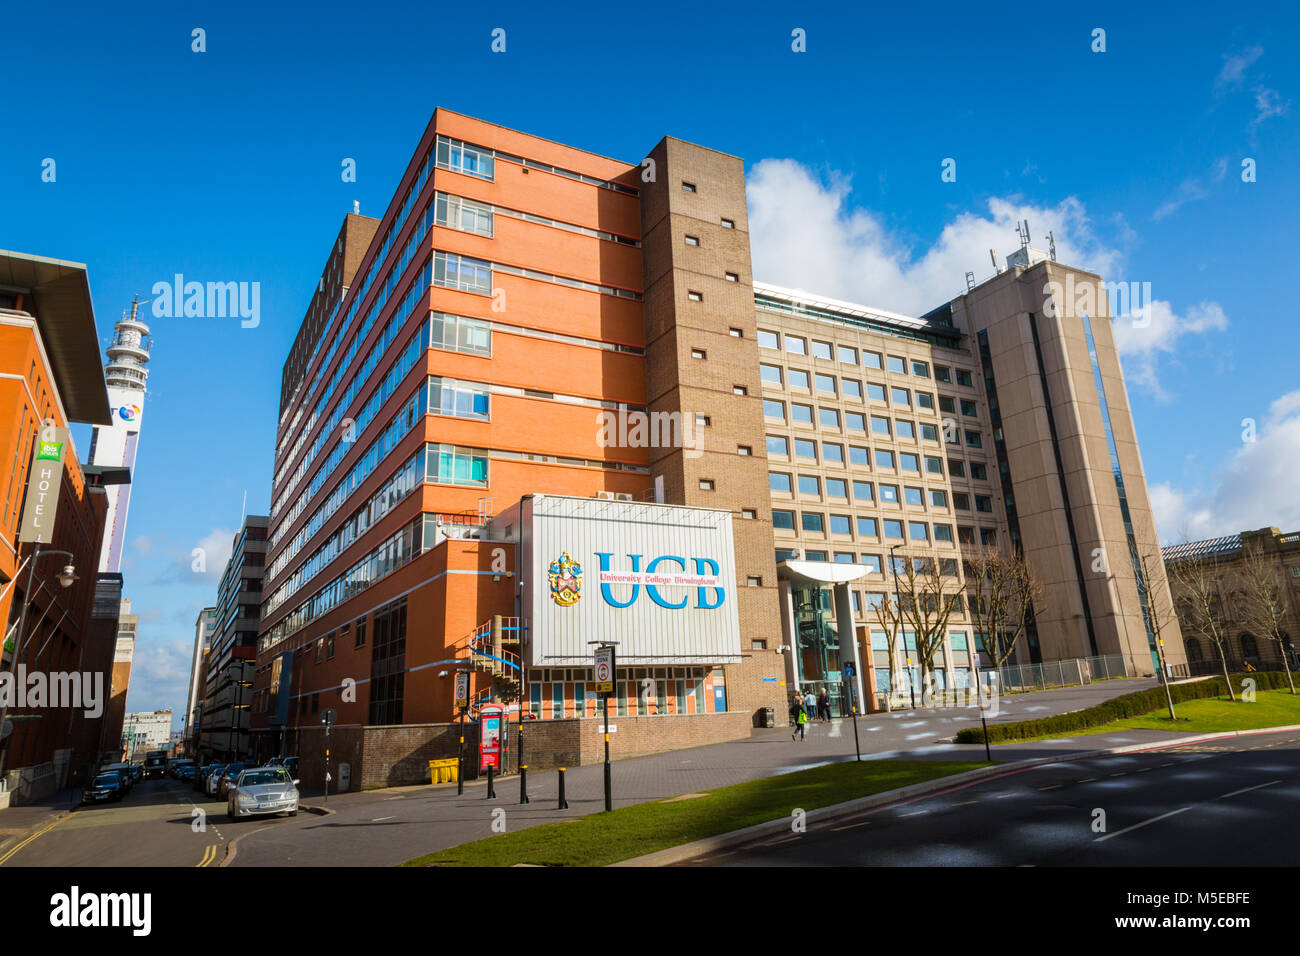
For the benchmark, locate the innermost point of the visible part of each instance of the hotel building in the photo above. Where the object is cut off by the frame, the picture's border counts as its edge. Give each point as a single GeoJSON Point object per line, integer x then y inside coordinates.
{"type": "Point", "coordinates": [530, 327]}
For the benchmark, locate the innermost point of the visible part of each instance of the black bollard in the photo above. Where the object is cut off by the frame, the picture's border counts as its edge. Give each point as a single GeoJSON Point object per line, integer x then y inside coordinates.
{"type": "Point", "coordinates": [491, 794]}
{"type": "Point", "coordinates": [523, 783]}
{"type": "Point", "coordinates": [564, 804]}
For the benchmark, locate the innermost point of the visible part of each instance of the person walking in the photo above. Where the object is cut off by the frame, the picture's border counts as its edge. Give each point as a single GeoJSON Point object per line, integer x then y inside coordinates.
{"type": "Point", "coordinates": [824, 706]}
{"type": "Point", "coordinates": [809, 704]}
{"type": "Point", "coordinates": [798, 718]}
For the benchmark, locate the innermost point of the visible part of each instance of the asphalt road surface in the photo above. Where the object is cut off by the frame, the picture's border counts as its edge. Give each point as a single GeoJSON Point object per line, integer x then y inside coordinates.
{"type": "Point", "coordinates": [1224, 802]}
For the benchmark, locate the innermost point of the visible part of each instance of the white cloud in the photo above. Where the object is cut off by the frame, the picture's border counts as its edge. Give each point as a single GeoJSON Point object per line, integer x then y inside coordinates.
{"type": "Point", "coordinates": [1268, 103]}
{"type": "Point", "coordinates": [804, 234]}
{"type": "Point", "coordinates": [1191, 189]}
{"type": "Point", "coordinates": [1233, 71]}
{"type": "Point", "coordinates": [1143, 337]}
{"type": "Point", "coordinates": [1254, 489]}
{"type": "Point", "coordinates": [215, 547]}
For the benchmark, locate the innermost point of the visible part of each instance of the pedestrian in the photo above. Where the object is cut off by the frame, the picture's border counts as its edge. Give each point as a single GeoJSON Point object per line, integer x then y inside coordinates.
{"type": "Point", "coordinates": [798, 717]}
{"type": "Point", "coordinates": [809, 704]}
{"type": "Point", "coordinates": [824, 705]}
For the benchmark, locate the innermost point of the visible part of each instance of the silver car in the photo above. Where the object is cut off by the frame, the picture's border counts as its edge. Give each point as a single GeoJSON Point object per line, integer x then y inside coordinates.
{"type": "Point", "coordinates": [263, 790]}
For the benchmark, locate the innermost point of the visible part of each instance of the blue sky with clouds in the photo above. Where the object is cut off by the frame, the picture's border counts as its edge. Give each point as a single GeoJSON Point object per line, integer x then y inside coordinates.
{"type": "Point", "coordinates": [225, 165]}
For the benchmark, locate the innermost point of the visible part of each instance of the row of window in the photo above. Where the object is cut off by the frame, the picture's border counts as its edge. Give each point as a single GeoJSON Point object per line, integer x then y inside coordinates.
{"type": "Point", "coordinates": [966, 535]}
{"type": "Point", "coordinates": [848, 355]}
{"type": "Point", "coordinates": [800, 414]}
{"type": "Point", "coordinates": [814, 522]}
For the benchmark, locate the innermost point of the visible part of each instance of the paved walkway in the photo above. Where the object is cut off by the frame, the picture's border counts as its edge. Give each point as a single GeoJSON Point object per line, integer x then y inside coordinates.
{"type": "Point", "coordinates": [386, 827]}
{"type": "Point", "coordinates": [18, 823]}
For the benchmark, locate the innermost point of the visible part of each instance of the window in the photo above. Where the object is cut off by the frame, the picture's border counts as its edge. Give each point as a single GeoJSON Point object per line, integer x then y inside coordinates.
{"type": "Point", "coordinates": [920, 369]}
{"type": "Point", "coordinates": [893, 529]}
{"type": "Point", "coordinates": [692, 240]}
{"type": "Point", "coordinates": [984, 503]}
{"type": "Point", "coordinates": [900, 396]}
{"type": "Point", "coordinates": [810, 485]}
{"type": "Point", "coordinates": [783, 520]}
{"type": "Point", "coordinates": [918, 531]}
{"type": "Point", "coordinates": [688, 187]}
{"type": "Point", "coordinates": [320, 649]}
{"type": "Point", "coordinates": [938, 498]}
{"type": "Point", "coordinates": [464, 158]}
{"type": "Point", "coordinates": [909, 462]}
{"type": "Point", "coordinates": [773, 409]}
{"type": "Point", "coordinates": [858, 456]}
{"type": "Point", "coordinates": [768, 340]}
{"type": "Point", "coordinates": [748, 514]}
{"type": "Point", "coordinates": [837, 488]}
{"type": "Point", "coordinates": [941, 374]}
{"type": "Point", "coordinates": [816, 555]}
{"type": "Point", "coordinates": [826, 383]}
{"type": "Point", "coordinates": [778, 482]}
{"type": "Point", "coordinates": [463, 214]}
{"type": "Point", "coordinates": [840, 525]}
{"type": "Point", "coordinates": [798, 379]}
{"type": "Point", "coordinates": [811, 522]}
{"type": "Point", "coordinates": [943, 532]}
{"type": "Point", "coordinates": [905, 429]}
{"type": "Point", "coordinates": [734, 332]}
{"type": "Point", "coordinates": [946, 404]}
{"type": "Point", "coordinates": [862, 491]}
{"type": "Point", "coordinates": [460, 399]}
{"type": "Point", "coordinates": [965, 534]}
{"type": "Point", "coordinates": [739, 390]}
{"type": "Point", "coordinates": [875, 392]}
{"type": "Point", "coordinates": [801, 414]}
{"type": "Point", "coordinates": [461, 272]}
{"type": "Point", "coordinates": [929, 432]}
{"type": "Point", "coordinates": [963, 378]}
{"type": "Point", "coordinates": [851, 388]}
{"type": "Point", "coordinates": [988, 537]}
{"type": "Point", "coordinates": [968, 407]}
{"type": "Point", "coordinates": [731, 277]}
{"type": "Point", "coordinates": [961, 501]}
{"type": "Point", "coordinates": [933, 466]}
{"type": "Point", "coordinates": [754, 581]}
{"type": "Point", "coordinates": [925, 400]}
{"type": "Point", "coordinates": [457, 465]}
{"type": "Point", "coordinates": [846, 354]}
{"type": "Point", "coordinates": [744, 450]}
{"type": "Point", "coordinates": [460, 334]}
{"type": "Point", "coordinates": [694, 296]}
{"type": "Point", "coordinates": [361, 633]}
{"type": "Point", "coordinates": [795, 345]}
{"type": "Point", "coordinates": [871, 562]}
{"type": "Point", "coordinates": [855, 422]}
{"type": "Point", "coordinates": [884, 459]}
{"type": "Point", "coordinates": [728, 224]}
{"type": "Point", "coordinates": [866, 527]}
{"type": "Point", "coordinates": [829, 418]}
{"type": "Point", "coordinates": [879, 425]}
{"type": "Point", "coordinates": [699, 354]}
{"type": "Point", "coordinates": [821, 350]}
{"type": "Point", "coordinates": [832, 453]}
{"type": "Point", "coordinates": [956, 468]}
{"type": "Point", "coordinates": [896, 364]}
{"type": "Point", "coordinates": [776, 445]}
{"type": "Point", "coordinates": [805, 449]}
{"type": "Point", "coordinates": [913, 496]}
{"type": "Point", "coordinates": [329, 647]}
{"type": "Point", "coordinates": [871, 359]}
{"type": "Point", "coordinates": [771, 374]}
{"type": "Point", "coordinates": [973, 440]}
{"type": "Point", "coordinates": [706, 484]}
{"type": "Point", "coordinates": [978, 471]}
{"type": "Point", "coordinates": [889, 494]}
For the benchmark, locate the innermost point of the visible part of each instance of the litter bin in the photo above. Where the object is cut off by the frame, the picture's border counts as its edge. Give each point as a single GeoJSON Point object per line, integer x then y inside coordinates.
{"type": "Point", "coordinates": [766, 717]}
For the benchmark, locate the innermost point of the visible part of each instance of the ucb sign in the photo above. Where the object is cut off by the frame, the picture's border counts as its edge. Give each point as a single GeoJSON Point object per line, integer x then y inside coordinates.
{"type": "Point", "coordinates": [667, 570]}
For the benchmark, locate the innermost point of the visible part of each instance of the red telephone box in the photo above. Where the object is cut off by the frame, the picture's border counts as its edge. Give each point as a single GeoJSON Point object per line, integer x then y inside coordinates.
{"type": "Point", "coordinates": [491, 736]}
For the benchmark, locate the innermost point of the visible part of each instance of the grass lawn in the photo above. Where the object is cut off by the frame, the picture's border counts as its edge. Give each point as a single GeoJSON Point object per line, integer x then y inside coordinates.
{"type": "Point", "coordinates": [1272, 708]}
{"type": "Point", "coordinates": [603, 838]}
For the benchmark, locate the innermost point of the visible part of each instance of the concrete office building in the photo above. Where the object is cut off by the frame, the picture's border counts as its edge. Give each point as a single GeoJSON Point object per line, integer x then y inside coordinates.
{"type": "Point", "coordinates": [123, 658]}
{"type": "Point", "coordinates": [528, 320]}
{"type": "Point", "coordinates": [204, 628]}
{"type": "Point", "coordinates": [228, 665]}
{"type": "Point", "coordinates": [146, 731]}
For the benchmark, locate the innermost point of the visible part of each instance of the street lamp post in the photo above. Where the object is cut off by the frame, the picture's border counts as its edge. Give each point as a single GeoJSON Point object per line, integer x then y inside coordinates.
{"type": "Point", "coordinates": [67, 577]}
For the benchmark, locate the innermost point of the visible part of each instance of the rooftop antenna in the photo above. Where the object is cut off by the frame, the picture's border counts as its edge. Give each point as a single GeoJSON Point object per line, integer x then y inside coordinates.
{"type": "Point", "coordinates": [997, 269]}
{"type": "Point", "coordinates": [1051, 245]}
{"type": "Point", "coordinates": [970, 281]}
{"type": "Point", "coordinates": [356, 207]}
{"type": "Point", "coordinates": [243, 507]}
{"type": "Point", "coordinates": [1022, 230]}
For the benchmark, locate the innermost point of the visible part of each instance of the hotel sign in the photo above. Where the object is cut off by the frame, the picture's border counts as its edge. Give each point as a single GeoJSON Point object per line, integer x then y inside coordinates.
{"type": "Point", "coordinates": [43, 483]}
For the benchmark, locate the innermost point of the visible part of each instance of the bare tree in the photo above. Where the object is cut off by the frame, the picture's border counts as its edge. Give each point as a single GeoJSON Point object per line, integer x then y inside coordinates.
{"type": "Point", "coordinates": [1196, 584]}
{"type": "Point", "coordinates": [1159, 607]}
{"type": "Point", "coordinates": [1003, 593]}
{"type": "Point", "coordinates": [889, 616]}
{"type": "Point", "coordinates": [927, 597]}
{"type": "Point", "coordinates": [1264, 602]}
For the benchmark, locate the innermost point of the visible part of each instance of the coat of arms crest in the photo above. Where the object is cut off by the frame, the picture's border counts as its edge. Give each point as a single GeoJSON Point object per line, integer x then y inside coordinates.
{"type": "Point", "coordinates": [565, 576]}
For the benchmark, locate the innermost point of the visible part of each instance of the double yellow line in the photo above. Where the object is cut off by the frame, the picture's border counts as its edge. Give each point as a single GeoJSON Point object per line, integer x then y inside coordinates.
{"type": "Point", "coordinates": [209, 856]}
{"type": "Point", "coordinates": [41, 832]}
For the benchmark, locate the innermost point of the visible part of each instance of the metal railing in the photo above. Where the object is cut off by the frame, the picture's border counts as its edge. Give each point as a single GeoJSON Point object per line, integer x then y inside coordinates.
{"type": "Point", "coordinates": [1017, 679]}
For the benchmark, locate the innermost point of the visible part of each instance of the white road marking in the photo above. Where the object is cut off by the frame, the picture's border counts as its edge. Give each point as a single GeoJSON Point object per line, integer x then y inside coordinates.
{"type": "Point", "coordinates": [1248, 789]}
{"type": "Point", "coordinates": [1138, 826]}
{"type": "Point", "coordinates": [380, 819]}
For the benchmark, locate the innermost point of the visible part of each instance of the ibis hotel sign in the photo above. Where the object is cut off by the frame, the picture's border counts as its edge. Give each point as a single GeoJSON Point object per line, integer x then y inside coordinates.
{"type": "Point", "coordinates": [43, 483]}
{"type": "Point", "coordinates": [659, 579]}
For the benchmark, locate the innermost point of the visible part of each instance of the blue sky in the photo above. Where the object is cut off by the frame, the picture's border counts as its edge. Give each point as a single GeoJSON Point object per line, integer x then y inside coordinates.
{"type": "Point", "coordinates": [225, 165]}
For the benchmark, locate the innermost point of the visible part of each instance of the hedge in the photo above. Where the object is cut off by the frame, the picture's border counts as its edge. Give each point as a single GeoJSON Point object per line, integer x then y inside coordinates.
{"type": "Point", "coordinates": [1118, 708]}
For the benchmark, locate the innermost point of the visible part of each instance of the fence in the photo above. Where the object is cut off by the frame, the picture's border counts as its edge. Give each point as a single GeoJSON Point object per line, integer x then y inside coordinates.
{"type": "Point", "coordinates": [1018, 679]}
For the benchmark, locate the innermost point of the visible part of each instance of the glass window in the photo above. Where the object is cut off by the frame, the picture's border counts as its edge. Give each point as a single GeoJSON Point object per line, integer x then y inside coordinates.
{"type": "Point", "coordinates": [909, 462]}
{"type": "Point", "coordinates": [844, 557]}
{"type": "Point", "coordinates": [776, 445]}
{"type": "Point", "coordinates": [900, 396]}
{"type": "Point", "coordinates": [941, 373]}
{"type": "Point", "coordinates": [880, 424]}
{"type": "Point", "coordinates": [836, 488]}
{"type": "Point", "coordinates": [866, 527]}
{"type": "Point", "coordinates": [464, 214]}
{"type": "Point", "coordinates": [783, 520]}
{"type": "Point", "coordinates": [913, 496]}
{"type": "Point", "coordinates": [956, 467]}
{"type": "Point", "coordinates": [828, 418]}
{"type": "Point", "coordinates": [925, 400]}
{"type": "Point", "coordinates": [456, 465]}
{"type": "Point", "coordinates": [460, 334]}
{"type": "Point", "coordinates": [938, 498]}
{"type": "Point", "coordinates": [897, 364]}
{"type": "Point", "coordinates": [771, 374]}
{"type": "Point", "coordinates": [796, 345]}
{"type": "Point", "coordinates": [826, 383]}
{"type": "Point", "coordinates": [461, 399]}
{"type": "Point", "coordinates": [968, 407]}
{"type": "Point", "coordinates": [871, 562]}
{"type": "Point", "coordinates": [832, 453]}
{"type": "Point", "coordinates": [929, 432]}
{"type": "Point", "coordinates": [943, 532]}
{"type": "Point", "coordinates": [978, 471]}
{"type": "Point", "coordinates": [933, 465]}
{"type": "Point", "coordinates": [918, 531]}
{"type": "Point", "coordinates": [920, 369]}
{"type": "Point", "coordinates": [984, 503]}
{"type": "Point", "coordinates": [905, 429]}
{"type": "Point", "coordinates": [857, 455]}
{"type": "Point", "coordinates": [855, 422]}
{"type": "Point", "coordinates": [798, 378]}
{"type": "Point", "coordinates": [875, 392]}
{"type": "Point", "coordinates": [846, 354]}
{"type": "Point", "coordinates": [768, 340]}
{"type": "Point", "coordinates": [963, 378]}
{"type": "Point", "coordinates": [773, 409]}
{"type": "Point", "coordinates": [810, 485]}
{"type": "Point", "coordinates": [973, 440]}
{"type": "Point", "coordinates": [893, 529]}
{"type": "Point", "coordinates": [805, 449]}
{"type": "Point", "coordinates": [871, 359]}
{"type": "Point", "coordinates": [889, 494]}
{"type": "Point", "coordinates": [801, 413]}
{"type": "Point", "coordinates": [464, 158]}
{"type": "Point", "coordinates": [840, 525]}
{"type": "Point", "coordinates": [961, 501]}
{"type": "Point", "coordinates": [946, 404]}
{"type": "Point", "coordinates": [816, 555]}
{"type": "Point", "coordinates": [821, 350]}
{"type": "Point", "coordinates": [461, 272]}
{"type": "Point", "coordinates": [862, 491]}
{"type": "Point", "coordinates": [778, 482]}
{"type": "Point", "coordinates": [851, 388]}
{"type": "Point", "coordinates": [884, 459]}
{"type": "Point", "coordinates": [812, 521]}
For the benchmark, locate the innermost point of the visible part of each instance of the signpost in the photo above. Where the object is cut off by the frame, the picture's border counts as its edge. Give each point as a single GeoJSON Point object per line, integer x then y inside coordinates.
{"type": "Point", "coordinates": [462, 703]}
{"type": "Point", "coordinates": [849, 674]}
{"type": "Point", "coordinates": [328, 717]}
{"type": "Point", "coordinates": [603, 667]}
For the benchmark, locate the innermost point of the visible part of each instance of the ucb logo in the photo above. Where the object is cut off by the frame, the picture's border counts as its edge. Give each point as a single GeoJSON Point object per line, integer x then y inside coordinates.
{"type": "Point", "coordinates": [667, 570]}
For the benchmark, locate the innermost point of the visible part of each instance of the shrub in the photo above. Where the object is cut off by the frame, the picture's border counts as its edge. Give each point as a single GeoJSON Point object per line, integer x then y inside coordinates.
{"type": "Point", "coordinates": [1118, 708]}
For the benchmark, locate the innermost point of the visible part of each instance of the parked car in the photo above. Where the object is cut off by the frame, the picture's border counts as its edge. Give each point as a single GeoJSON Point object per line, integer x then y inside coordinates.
{"type": "Point", "coordinates": [290, 764]}
{"type": "Point", "coordinates": [262, 790]}
{"type": "Point", "coordinates": [228, 778]}
{"type": "Point", "coordinates": [125, 770]}
{"type": "Point", "coordinates": [137, 772]}
{"type": "Point", "coordinates": [175, 766]}
{"type": "Point", "coordinates": [210, 777]}
{"type": "Point", "coordinates": [106, 786]}
{"type": "Point", "coordinates": [186, 771]}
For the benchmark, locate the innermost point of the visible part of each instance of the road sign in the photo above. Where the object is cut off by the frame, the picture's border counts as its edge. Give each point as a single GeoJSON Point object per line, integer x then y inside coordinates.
{"type": "Point", "coordinates": [604, 667]}
{"type": "Point", "coordinates": [849, 671]}
{"type": "Point", "coordinates": [328, 716]}
{"type": "Point", "coordinates": [462, 689]}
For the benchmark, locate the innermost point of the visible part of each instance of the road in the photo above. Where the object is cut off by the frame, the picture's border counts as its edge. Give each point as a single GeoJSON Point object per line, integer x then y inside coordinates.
{"type": "Point", "coordinates": [1226, 802]}
{"type": "Point", "coordinates": [153, 825]}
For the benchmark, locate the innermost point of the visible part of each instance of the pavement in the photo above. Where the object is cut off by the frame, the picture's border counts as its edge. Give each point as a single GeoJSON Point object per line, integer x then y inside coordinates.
{"type": "Point", "coordinates": [1220, 802]}
{"type": "Point", "coordinates": [18, 824]}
